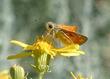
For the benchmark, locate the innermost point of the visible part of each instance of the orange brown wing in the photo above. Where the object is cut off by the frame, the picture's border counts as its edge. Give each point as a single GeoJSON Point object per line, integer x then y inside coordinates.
{"type": "Point", "coordinates": [68, 37]}
{"type": "Point", "coordinates": [68, 28]}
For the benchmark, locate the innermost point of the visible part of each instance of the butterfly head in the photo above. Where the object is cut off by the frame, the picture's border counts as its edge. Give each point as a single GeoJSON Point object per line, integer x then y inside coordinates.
{"type": "Point", "coordinates": [50, 26]}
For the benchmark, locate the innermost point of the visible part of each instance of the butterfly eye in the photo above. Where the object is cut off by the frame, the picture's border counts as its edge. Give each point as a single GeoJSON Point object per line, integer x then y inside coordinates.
{"type": "Point", "coordinates": [50, 25]}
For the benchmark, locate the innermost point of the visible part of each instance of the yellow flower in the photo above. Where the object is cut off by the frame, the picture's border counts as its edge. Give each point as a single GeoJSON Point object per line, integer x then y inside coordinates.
{"type": "Point", "coordinates": [79, 76]}
{"type": "Point", "coordinates": [42, 45]}
{"type": "Point", "coordinates": [4, 74]}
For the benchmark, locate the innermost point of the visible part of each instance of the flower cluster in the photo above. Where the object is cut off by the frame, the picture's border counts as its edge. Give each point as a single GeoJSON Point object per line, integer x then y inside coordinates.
{"type": "Point", "coordinates": [42, 50]}
{"type": "Point", "coordinates": [44, 46]}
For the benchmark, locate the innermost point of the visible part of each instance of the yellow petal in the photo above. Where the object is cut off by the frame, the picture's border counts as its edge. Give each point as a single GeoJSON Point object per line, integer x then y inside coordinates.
{"type": "Point", "coordinates": [70, 54]}
{"type": "Point", "coordinates": [19, 43]}
{"type": "Point", "coordinates": [66, 49]}
{"type": "Point", "coordinates": [52, 53]}
{"type": "Point", "coordinates": [75, 53]}
{"type": "Point", "coordinates": [80, 52]}
{"type": "Point", "coordinates": [4, 74]}
{"type": "Point", "coordinates": [20, 55]}
{"type": "Point", "coordinates": [90, 77]}
{"type": "Point", "coordinates": [71, 50]}
{"type": "Point", "coordinates": [73, 75]}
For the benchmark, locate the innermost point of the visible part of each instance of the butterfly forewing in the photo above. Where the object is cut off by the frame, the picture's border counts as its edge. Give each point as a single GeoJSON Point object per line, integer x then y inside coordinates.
{"type": "Point", "coordinates": [68, 28]}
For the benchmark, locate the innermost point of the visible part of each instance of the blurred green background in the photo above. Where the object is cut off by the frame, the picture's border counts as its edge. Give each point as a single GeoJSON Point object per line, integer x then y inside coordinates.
{"type": "Point", "coordinates": [23, 20]}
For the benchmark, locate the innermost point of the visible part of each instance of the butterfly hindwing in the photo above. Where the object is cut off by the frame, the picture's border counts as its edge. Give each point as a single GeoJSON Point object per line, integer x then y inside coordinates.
{"type": "Point", "coordinates": [68, 37]}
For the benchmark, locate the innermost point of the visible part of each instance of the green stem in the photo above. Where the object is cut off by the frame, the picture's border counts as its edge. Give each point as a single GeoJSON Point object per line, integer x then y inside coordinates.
{"type": "Point", "coordinates": [41, 74]}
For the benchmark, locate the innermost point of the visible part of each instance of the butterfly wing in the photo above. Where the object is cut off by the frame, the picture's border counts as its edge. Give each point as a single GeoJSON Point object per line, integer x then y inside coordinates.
{"type": "Point", "coordinates": [63, 38]}
{"type": "Point", "coordinates": [68, 37]}
{"type": "Point", "coordinates": [68, 28]}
